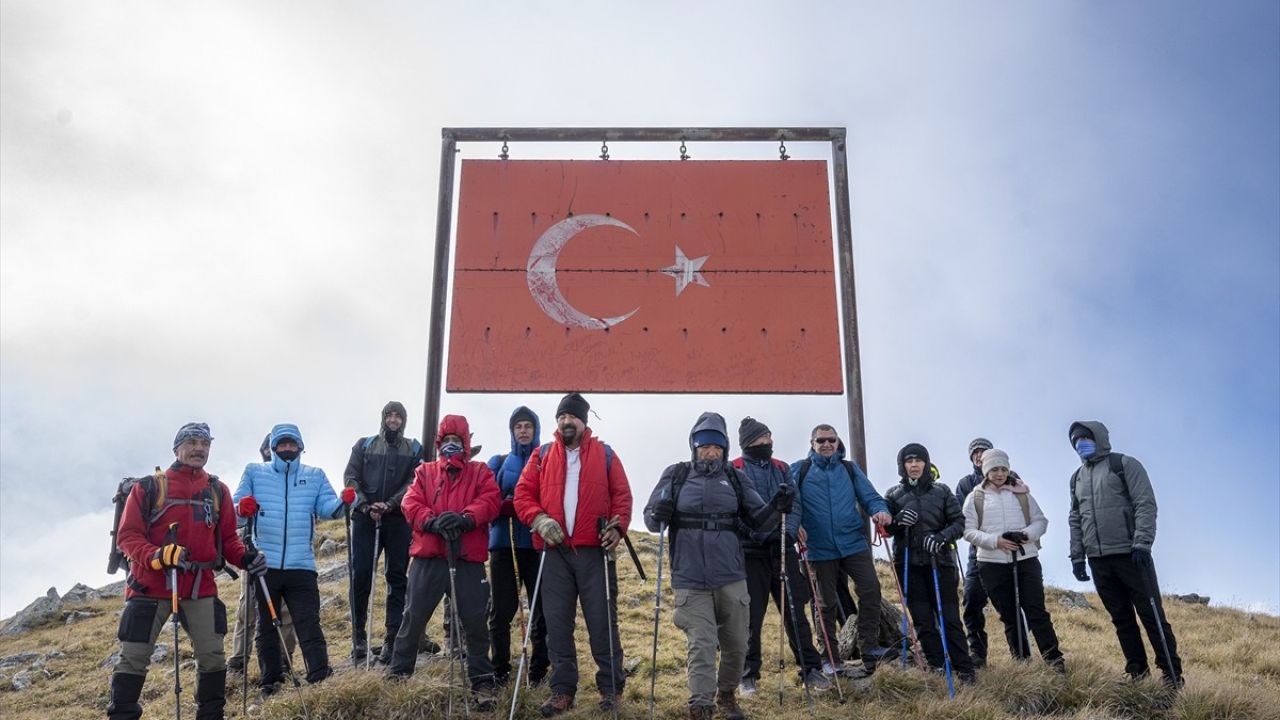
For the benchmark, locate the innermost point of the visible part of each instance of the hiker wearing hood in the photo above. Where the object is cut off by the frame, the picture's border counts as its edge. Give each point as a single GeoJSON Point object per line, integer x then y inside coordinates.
{"type": "Point", "coordinates": [380, 469]}
{"type": "Point", "coordinates": [703, 503]}
{"type": "Point", "coordinates": [286, 497]}
{"type": "Point", "coordinates": [1001, 520]}
{"type": "Point", "coordinates": [834, 493]}
{"type": "Point", "coordinates": [450, 504]}
{"type": "Point", "coordinates": [975, 596]}
{"type": "Point", "coordinates": [928, 520]}
{"type": "Point", "coordinates": [566, 488]}
{"type": "Point", "coordinates": [1113, 526]}
{"type": "Point", "coordinates": [511, 554]}
{"type": "Point", "coordinates": [760, 549]}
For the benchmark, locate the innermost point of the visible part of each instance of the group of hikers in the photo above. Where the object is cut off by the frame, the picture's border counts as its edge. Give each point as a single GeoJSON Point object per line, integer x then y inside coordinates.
{"type": "Point", "coordinates": [550, 518]}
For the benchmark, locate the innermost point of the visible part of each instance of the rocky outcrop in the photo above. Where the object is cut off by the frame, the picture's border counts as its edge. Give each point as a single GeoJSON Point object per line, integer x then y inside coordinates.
{"type": "Point", "coordinates": [1193, 598]}
{"type": "Point", "coordinates": [38, 612]}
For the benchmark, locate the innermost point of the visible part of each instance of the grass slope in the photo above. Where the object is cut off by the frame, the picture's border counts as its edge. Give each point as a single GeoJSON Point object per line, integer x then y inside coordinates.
{"type": "Point", "coordinates": [1232, 660]}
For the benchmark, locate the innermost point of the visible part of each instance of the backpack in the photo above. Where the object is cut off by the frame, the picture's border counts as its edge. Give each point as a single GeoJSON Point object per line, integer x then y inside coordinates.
{"type": "Point", "coordinates": [677, 483]}
{"type": "Point", "coordinates": [979, 498]}
{"type": "Point", "coordinates": [807, 463]}
{"type": "Point", "coordinates": [1115, 461]}
{"type": "Point", "coordinates": [415, 447]}
{"type": "Point", "coordinates": [155, 489]}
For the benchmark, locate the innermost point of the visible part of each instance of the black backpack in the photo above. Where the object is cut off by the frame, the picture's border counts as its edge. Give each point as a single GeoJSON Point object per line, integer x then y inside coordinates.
{"type": "Point", "coordinates": [677, 483]}
{"type": "Point", "coordinates": [1115, 461]}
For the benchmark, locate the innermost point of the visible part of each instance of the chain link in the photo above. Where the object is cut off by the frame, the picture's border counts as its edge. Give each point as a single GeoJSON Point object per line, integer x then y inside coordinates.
{"type": "Point", "coordinates": [503, 154]}
{"type": "Point", "coordinates": [782, 148]}
{"type": "Point", "coordinates": [684, 151]}
{"type": "Point", "coordinates": [604, 149]}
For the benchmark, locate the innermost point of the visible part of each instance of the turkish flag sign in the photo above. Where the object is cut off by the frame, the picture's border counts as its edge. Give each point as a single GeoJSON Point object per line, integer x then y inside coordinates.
{"type": "Point", "coordinates": [644, 276]}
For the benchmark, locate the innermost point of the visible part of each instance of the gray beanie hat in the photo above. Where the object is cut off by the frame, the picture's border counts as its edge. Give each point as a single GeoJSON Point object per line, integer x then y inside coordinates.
{"type": "Point", "coordinates": [993, 459]}
{"type": "Point", "coordinates": [980, 443]}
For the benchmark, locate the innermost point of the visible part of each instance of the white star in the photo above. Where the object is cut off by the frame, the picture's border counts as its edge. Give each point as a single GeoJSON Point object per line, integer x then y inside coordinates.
{"type": "Point", "coordinates": [685, 271]}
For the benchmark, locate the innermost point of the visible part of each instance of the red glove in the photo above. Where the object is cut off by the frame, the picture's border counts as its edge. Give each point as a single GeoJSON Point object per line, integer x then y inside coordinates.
{"type": "Point", "coordinates": [348, 495]}
{"type": "Point", "coordinates": [248, 506]}
{"type": "Point", "coordinates": [508, 508]}
{"type": "Point", "coordinates": [882, 532]}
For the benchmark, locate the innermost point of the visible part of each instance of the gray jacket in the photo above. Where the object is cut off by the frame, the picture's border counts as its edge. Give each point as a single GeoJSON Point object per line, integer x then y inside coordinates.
{"type": "Point", "coordinates": [1110, 516]}
{"type": "Point", "coordinates": [706, 550]}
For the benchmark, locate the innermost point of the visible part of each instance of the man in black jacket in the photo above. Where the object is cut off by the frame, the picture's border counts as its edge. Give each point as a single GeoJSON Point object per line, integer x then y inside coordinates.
{"type": "Point", "coordinates": [975, 596]}
{"type": "Point", "coordinates": [381, 470]}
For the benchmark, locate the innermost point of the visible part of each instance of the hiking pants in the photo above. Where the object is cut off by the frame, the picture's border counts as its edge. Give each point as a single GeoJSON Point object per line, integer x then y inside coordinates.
{"type": "Point", "coordinates": [393, 548]}
{"type": "Point", "coordinates": [1124, 588]}
{"type": "Point", "coordinates": [860, 568]}
{"type": "Point", "coordinates": [975, 603]}
{"type": "Point", "coordinates": [714, 618]}
{"type": "Point", "coordinates": [141, 623]}
{"type": "Point", "coordinates": [428, 585]}
{"type": "Point", "coordinates": [506, 602]}
{"type": "Point", "coordinates": [572, 576]}
{"type": "Point", "coordinates": [922, 602]}
{"type": "Point", "coordinates": [247, 625]}
{"type": "Point", "coordinates": [763, 583]}
{"type": "Point", "coordinates": [297, 590]}
{"type": "Point", "coordinates": [997, 578]}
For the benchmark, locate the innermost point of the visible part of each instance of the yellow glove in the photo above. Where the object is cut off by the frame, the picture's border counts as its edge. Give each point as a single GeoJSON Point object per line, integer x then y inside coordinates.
{"type": "Point", "coordinates": [169, 556]}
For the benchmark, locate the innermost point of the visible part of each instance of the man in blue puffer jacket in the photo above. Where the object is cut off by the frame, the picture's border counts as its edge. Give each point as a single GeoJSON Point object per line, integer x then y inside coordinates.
{"type": "Point", "coordinates": [511, 549]}
{"type": "Point", "coordinates": [285, 497]}
{"type": "Point", "coordinates": [831, 492]}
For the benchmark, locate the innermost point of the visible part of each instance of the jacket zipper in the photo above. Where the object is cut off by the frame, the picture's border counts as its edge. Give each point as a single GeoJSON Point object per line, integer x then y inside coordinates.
{"type": "Point", "coordinates": [284, 538]}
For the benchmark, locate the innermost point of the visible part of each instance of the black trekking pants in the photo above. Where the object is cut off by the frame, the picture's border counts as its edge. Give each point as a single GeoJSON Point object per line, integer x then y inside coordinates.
{"type": "Point", "coordinates": [998, 579]}
{"type": "Point", "coordinates": [922, 601]}
{"type": "Point", "coordinates": [975, 617]}
{"type": "Point", "coordinates": [1125, 589]}
{"type": "Point", "coordinates": [298, 590]}
{"type": "Point", "coordinates": [574, 576]}
{"type": "Point", "coordinates": [428, 585]}
{"type": "Point", "coordinates": [830, 575]}
{"type": "Point", "coordinates": [763, 582]}
{"type": "Point", "coordinates": [506, 602]}
{"type": "Point", "coordinates": [393, 542]}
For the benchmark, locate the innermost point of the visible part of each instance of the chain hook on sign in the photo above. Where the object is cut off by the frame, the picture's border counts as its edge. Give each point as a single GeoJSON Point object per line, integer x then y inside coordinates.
{"type": "Point", "coordinates": [782, 148]}
{"type": "Point", "coordinates": [503, 155]}
{"type": "Point", "coordinates": [684, 151]}
{"type": "Point", "coordinates": [604, 149]}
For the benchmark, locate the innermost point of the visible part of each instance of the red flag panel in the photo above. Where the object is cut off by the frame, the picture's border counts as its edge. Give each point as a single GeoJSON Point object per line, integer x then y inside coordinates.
{"type": "Point", "coordinates": [644, 276]}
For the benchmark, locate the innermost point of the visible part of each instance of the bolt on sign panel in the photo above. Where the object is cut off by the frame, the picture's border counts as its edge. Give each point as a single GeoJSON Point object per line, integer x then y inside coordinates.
{"type": "Point", "coordinates": [644, 276]}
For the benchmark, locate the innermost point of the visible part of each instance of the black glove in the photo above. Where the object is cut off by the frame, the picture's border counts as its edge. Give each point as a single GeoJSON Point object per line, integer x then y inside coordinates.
{"type": "Point", "coordinates": [1078, 569]}
{"type": "Point", "coordinates": [784, 499]}
{"type": "Point", "coordinates": [254, 562]}
{"type": "Point", "coordinates": [662, 510]}
{"type": "Point", "coordinates": [905, 518]}
{"type": "Point", "coordinates": [934, 544]}
{"type": "Point", "coordinates": [449, 525]}
{"type": "Point", "coordinates": [468, 523]}
{"type": "Point", "coordinates": [432, 525]}
{"type": "Point", "coordinates": [1141, 558]}
{"type": "Point", "coordinates": [1016, 536]}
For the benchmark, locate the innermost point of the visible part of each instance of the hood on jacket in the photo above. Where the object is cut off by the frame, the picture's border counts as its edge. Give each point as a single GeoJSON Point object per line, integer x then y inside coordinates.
{"type": "Point", "coordinates": [455, 425]}
{"type": "Point", "coordinates": [286, 430]}
{"type": "Point", "coordinates": [397, 407]}
{"type": "Point", "coordinates": [712, 422]}
{"type": "Point", "coordinates": [919, 451]}
{"type": "Point", "coordinates": [524, 413]}
{"type": "Point", "coordinates": [1101, 435]}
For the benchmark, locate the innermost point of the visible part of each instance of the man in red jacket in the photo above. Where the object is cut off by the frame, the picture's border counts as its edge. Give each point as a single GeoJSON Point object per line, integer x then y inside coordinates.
{"type": "Point", "coordinates": [449, 505]}
{"type": "Point", "coordinates": [181, 520]}
{"type": "Point", "coordinates": [566, 488]}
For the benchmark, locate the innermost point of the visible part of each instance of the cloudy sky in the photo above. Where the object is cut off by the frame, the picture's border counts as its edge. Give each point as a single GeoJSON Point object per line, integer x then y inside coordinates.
{"type": "Point", "coordinates": [225, 212]}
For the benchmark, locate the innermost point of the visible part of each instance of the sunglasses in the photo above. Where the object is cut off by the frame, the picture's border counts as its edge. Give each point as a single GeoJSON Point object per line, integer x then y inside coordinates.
{"type": "Point", "coordinates": [825, 440]}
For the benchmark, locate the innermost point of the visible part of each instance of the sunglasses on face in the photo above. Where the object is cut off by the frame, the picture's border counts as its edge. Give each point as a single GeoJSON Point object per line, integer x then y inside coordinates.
{"type": "Point", "coordinates": [825, 440]}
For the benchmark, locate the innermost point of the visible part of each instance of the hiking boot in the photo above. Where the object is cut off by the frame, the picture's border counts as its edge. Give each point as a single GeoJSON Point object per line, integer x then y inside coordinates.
{"type": "Point", "coordinates": [384, 653]}
{"type": "Point", "coordinates": [359, 650]}
{"type": "Point", "coordinates": [485, 697]}
{"type": "Point", "coordinates": [816, 680]}
{"type": "Point", "coordinates": [747, 687]}
{"type": "Point", "coordinates": [270, 689]}
{"type": "Point", "coordinates": [828, 669]}
{"type": "Point", "coordinates": [125, 691]}
{"type": "Point", "coordinates": [967, 678]}
{"type": "Point", "coordinates": [428, 647]}
{"type": "Point", "coordinates": [608, 702]}
{"type": "Point", "coordinates": [701, 712]}
{"type": "Point", "coordinates": [556, 704]}
{"type": "Point", "coordinates": [727, 704]}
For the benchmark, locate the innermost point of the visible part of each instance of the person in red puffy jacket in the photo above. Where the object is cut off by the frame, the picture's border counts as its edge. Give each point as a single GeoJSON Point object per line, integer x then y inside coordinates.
{"type": "Point", "coordinates": [449, 506]}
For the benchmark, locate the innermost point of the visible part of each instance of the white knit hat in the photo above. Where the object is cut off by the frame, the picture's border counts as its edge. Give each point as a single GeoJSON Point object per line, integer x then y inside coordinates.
{"type": "Point", "coordinates": [992, 459]}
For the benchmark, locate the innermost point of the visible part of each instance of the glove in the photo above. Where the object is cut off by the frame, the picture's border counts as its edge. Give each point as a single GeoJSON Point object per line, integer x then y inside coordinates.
{"type": "Point", "coordinates": [447, 521]}
{"type": "Point", "coordinates": [169, 557]}
{"type": "Point", "coordinates": [248, 506]}
{"type": "Point", "coordinates": [784, 499]}
{"type": "Point", "coordinates": [348, 495]}
{"type": "Point", "coordinates": [508, 508]}
{"type": "Point", "coordinates": [254, 563]}
{"type": "Point", "coordinates": [934, 544]}
{"type": "Point", "coordinates": [1016, 536]}
{"type": "Point", "coordinates": [1078, 569]}
{"type": "Point", "coordinates": [430, 525]}
{"type": "Point", "coordinates": [1141, 558]}
{"type": "Point", "coordinates": [906, 518]}
{"type": "Point", "coordinates": [662, 510]}
{"type": "Point", "coordinates": [548, 529]}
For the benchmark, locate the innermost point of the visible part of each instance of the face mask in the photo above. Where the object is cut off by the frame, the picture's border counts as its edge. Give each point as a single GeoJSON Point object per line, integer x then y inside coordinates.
{"type": "Point", "coordinates": [450, 449]}
{"type": "Point", "coordinates": [287, 455]}
{"type": "Point", "coordinates": [709, 467]}
{"type": "Point", "coordinates": [758, 452]}
{"type": "Point", "coordinates": [1086, 448]}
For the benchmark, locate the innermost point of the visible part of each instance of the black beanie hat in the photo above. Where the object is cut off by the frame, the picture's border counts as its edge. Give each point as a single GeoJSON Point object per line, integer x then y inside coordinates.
{"type": "Point", "coordinates": [750, 429]}
{"type": "Point", "coordinates": [522, 413]}
{"type": "Point", "coordinates": [575, 405]}
{"type": "Point", "coordinates": [912, 450]}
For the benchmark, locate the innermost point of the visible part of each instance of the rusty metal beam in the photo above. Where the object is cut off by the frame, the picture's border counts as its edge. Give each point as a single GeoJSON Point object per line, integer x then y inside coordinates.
{"type": "Point", "coordinates": [439, 292]}
{"type": "Point", "coordinates": [584, 134]}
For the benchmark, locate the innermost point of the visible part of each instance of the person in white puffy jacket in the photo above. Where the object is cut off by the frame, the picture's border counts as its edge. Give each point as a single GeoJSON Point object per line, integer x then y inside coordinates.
{"type": "Point", "coordinates": [1005, 523]}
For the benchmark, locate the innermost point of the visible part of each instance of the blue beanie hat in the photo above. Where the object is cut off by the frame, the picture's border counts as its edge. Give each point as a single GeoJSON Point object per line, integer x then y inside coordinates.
{"type": "Point", "coordinates": [710, 437]}
{"type": "Point", "coordinates": [286, 430]}
{"type": "Point", "coordinates": [191, 430]}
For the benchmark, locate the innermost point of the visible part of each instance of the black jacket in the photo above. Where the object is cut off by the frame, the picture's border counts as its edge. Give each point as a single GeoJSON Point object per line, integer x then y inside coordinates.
{"type": "Point", "coordinates": [382, 471]}
{"type": "Point", "coordinates": [939, 513]}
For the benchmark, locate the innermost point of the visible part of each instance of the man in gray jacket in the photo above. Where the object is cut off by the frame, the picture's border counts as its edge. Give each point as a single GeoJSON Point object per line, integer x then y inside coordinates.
{"type": "Point", "coordinates": [1113, 524]}
{"type": "Point", "coordinates": [702, 504]}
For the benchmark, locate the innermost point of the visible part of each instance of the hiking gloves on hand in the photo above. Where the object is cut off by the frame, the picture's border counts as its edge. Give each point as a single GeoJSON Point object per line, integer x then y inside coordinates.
{"type": "Point", "coordinates": [1077, 569]}
{"type": "Point", "coordinates": [1141, 558]}
{"type": "Point", "coordinates": [662, 510]}
{"type": "Point", "coordinates": [168, 557]}
{"type": "Point", "coordinates": [934, 544]}
{"type": "Point", "coordinates": [548, 529]}
{"type": "Point", "coordinates": [905, 518]}
{"type": "Point", "coordinates": [248, 506]}
{"type": "Point", "coordinates": [784, 499]}
{"type": "Point", "coordinates": [348, 495]}
{"type": "Point", "coordinates": [1016, 536]}
{"type": "Point", "coordinates": [254, 563]}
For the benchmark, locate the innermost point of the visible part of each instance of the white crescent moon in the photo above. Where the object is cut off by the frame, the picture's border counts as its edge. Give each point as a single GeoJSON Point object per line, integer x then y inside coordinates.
{"type": "Point", "coordinates": [541, 272]}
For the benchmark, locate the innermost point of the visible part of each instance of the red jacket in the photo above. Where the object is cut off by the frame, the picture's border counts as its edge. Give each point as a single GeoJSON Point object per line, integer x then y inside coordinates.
{"type": "Point", "coordinates": [138, 542]}
{"type": "Point", "coordinates": [603, 492]}
{"type": "Point", "coordinates": [470, 490]}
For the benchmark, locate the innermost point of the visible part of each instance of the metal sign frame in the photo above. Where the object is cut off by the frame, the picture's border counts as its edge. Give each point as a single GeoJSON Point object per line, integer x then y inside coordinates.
{"type": "Point", "coordinates": [836, 136]}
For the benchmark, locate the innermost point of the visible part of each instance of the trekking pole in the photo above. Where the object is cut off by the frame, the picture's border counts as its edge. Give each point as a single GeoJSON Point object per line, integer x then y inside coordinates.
{"type": "Point", "coordinates": [520, 598]}
{"type": "Point", "coordinates": [657, 612]}
{"type": "Point", "coordinates": [288, 661]}
{"type": "Point", "coordinates": [524, 653]}
{"type": "Point", "coordinates": [782, 597]}
{"type": "Point", "coordinates": [907, 627]}
{"type": "Point", "coordinates": [789, 601]}
{"type": "Point", "coordinates": [351, 574]}
{"type": "Point", "coordinates": [451, 553]}
{"type": "Point", "coordinates": [942, 628]}
{"type": "Point", "coordinates": [822, 622]}
{"type": "Point", "coordinates": [249, 611]}
{"type": "Point", "coordinates": [1017, 608]}
{"type": "Point", "coordinates": [1153, 592]}
{"type": "Point", "coordinates": [171, 538]}
{"type": "Point", "coordinates": [601, 523]}
{"type": "Point", "coordinates": [373, 595]}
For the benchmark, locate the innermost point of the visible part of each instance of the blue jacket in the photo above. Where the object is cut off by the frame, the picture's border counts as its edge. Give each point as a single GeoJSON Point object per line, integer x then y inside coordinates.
{"type": "Point", "coordinates": [289, 495]}
{"type": "Point", "coordinates": [830, 503]}
{"type": "Point", "coordinates": [506, 470]}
